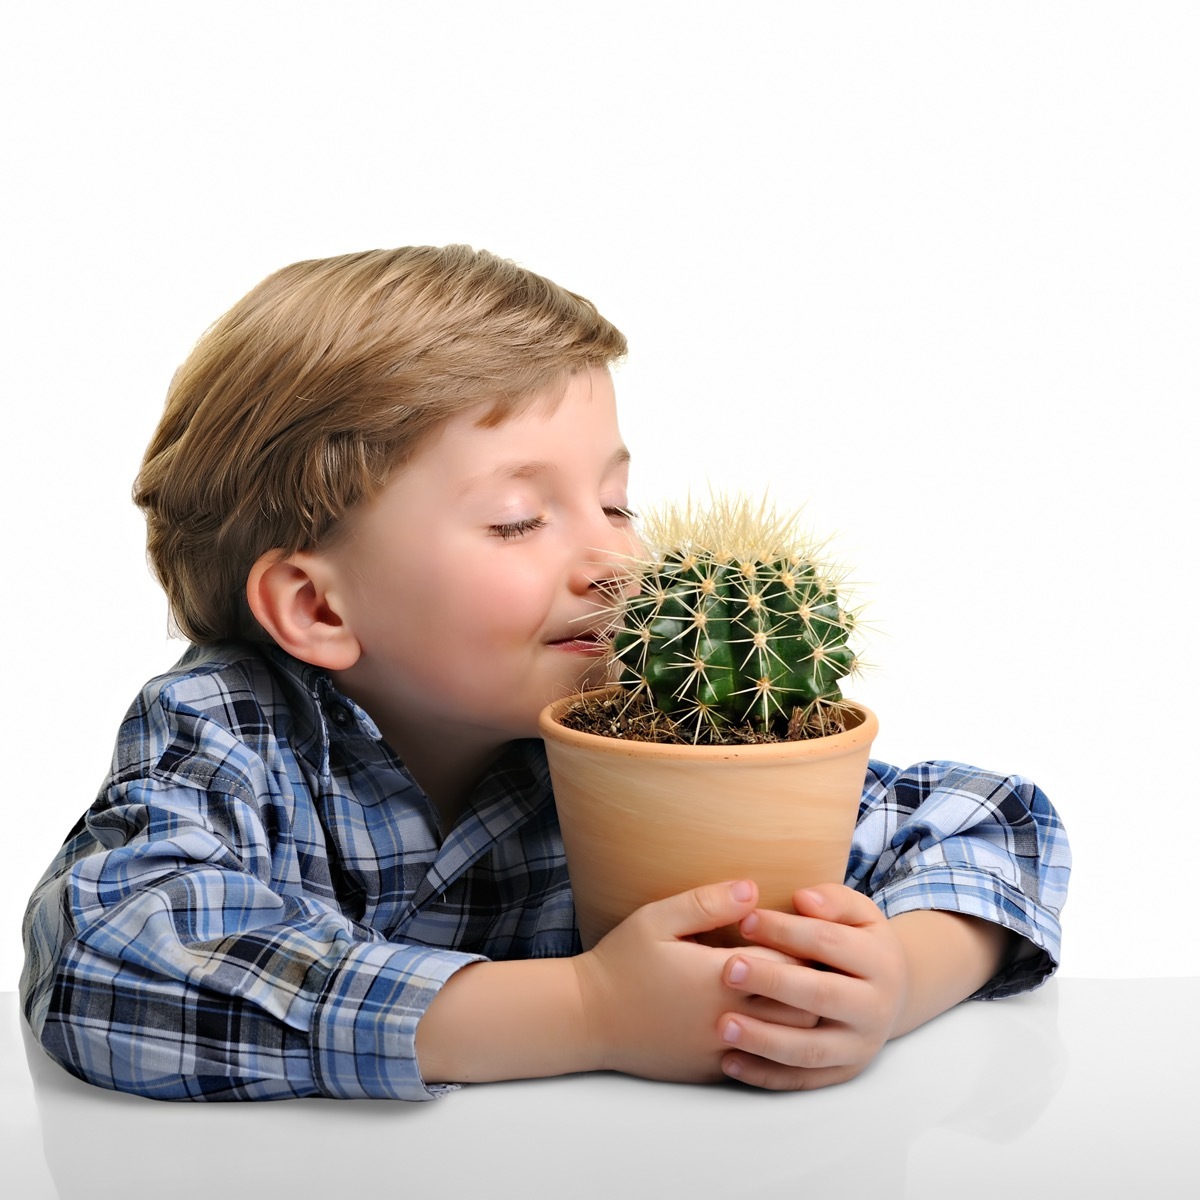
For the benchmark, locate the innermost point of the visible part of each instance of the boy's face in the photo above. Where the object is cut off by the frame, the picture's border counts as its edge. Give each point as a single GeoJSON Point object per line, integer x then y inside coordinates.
{"type": "Point", "coordinates": [473, 582]}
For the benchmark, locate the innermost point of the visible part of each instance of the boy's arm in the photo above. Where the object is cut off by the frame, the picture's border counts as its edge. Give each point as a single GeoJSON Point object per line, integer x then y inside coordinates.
{"type": "Point", "coordinates": [948, 957]}
{"type": "Point", "coordinates": [645, 1001]}
{"type": "Point", "coordinates": [184, 945]}
{"type": "Point", "coordinates": [168, 968]}
{"type": "Point", "coordinates": [958, 879]}
{"type": "Point", "coordinates": [499, 1020]}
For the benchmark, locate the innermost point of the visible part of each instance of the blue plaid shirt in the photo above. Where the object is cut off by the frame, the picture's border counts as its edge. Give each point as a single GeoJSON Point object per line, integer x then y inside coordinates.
{"type": "Point", "coordinates": [260, 903]}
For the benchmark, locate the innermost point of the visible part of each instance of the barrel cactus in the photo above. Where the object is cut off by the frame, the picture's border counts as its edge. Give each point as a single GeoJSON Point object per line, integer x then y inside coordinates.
{"type": "Point", "coordinates": [738, 625]}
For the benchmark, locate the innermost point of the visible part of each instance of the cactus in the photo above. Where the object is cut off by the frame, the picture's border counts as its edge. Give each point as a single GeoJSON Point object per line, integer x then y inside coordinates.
{"type": "Point", "coordinates": [737, 623]}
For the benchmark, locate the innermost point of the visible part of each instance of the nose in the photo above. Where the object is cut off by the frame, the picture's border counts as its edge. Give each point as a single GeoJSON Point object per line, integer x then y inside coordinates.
{"type": "Point", "coordinates": [608, 559]}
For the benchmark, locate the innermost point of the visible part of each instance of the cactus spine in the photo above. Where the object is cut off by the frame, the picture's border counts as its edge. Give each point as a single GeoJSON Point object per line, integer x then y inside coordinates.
{"type": "Point", "coordinates": [738, 622]}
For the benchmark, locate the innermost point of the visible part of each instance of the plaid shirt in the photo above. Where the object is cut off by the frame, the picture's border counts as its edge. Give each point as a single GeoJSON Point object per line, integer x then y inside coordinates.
{"type": "Point", "coordinates": [260, 903]}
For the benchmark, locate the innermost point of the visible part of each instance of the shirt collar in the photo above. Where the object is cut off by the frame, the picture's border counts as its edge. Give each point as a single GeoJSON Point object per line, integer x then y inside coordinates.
{"type": "Point", "coordinates": [326, 714]}
{"type": "Point", "coordinates": [321, 714]}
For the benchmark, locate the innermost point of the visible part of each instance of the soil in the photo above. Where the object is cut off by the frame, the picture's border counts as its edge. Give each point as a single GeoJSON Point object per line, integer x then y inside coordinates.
{"type": "Point", "coordinates": [634, 719]}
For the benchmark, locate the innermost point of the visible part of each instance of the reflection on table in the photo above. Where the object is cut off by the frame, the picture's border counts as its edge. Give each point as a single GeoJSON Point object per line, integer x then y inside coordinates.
{"type": "Point", "coordinates": [1081, 1088]}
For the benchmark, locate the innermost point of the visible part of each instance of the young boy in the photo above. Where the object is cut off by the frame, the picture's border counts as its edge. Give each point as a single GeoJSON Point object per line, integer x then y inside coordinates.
{"type": "Point", "coordinates": [386, 493]}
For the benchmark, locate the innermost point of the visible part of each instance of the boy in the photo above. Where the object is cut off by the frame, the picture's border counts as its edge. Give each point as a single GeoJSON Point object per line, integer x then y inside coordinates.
{"type": "Point", "coordinates": [385, 494]}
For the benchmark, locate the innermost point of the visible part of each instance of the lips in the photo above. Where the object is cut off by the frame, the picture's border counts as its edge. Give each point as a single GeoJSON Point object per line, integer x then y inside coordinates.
{"type": "Point", "coordinates": [586, 642]}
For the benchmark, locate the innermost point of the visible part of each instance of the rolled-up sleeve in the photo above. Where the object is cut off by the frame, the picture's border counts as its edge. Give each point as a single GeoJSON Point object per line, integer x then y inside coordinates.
{"type": "Point", "coordinates": [943, 835]}
{"type": "Point", "coordinates": [364, 1031]}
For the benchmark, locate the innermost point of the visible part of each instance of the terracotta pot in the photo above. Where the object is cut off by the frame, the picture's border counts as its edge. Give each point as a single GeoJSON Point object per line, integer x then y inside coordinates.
{"type": "Point", "coordinates": [642, 821]}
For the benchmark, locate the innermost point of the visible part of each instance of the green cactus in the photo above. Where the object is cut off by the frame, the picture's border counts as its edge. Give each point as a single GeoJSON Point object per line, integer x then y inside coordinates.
{"type": "Point", "coordinates": [737, 623]}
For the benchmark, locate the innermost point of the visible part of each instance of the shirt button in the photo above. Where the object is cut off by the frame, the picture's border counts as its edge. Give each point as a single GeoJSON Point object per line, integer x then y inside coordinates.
{"type": "Point", "coordinates": [340, 716]}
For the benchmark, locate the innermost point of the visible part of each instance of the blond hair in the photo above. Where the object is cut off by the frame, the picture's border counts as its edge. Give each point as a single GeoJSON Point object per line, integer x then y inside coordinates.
{"type": "Point", "coordinates": [296, 405]}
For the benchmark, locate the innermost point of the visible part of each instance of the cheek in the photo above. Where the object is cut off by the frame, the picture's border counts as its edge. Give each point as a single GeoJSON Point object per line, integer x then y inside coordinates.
{"type": "Point", "coordinates": [516, 601]}
{"type": "Point", "coordinates": [500, 601]}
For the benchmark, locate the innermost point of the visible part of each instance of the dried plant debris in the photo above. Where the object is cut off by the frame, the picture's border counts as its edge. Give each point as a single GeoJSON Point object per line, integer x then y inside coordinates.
{"type": "Point", "coordinates": [634, 719]}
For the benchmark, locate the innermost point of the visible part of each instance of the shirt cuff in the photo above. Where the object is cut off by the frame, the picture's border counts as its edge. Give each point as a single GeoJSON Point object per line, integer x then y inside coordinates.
{"type": "Point", "coordinates": [974, 893]}
{"type": "Point", "coordinates": [364, 1029]}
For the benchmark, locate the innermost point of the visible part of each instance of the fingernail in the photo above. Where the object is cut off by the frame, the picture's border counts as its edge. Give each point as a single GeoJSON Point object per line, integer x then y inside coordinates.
{"type": "Point", "coordinates": [732, 1031]}
{"type": "Point", "coordinates": [742, 890]}
{"type": "Point", "coordinates": [815, 899]}
{"type": "Point", "coordinates": [750, 923]}
{"type": "Point", "coordinates": [738, 970]}
{"type": "Point", "coordinates": [732, 1067]}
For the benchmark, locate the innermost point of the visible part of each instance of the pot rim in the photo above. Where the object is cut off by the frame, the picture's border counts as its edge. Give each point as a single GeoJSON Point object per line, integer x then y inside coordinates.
{"type": "Point", "coordinates": [833, 746]}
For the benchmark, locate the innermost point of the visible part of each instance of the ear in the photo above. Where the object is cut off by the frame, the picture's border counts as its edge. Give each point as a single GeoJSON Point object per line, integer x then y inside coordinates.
{"type": "Point", "coordinates": [294, 598]}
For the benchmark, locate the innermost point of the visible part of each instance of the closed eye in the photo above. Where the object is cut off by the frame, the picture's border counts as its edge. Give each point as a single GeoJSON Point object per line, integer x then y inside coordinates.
{"type": "Point", "coordinates": [516, 529]}
{"type": "Point", "coordinates": [620, 514]}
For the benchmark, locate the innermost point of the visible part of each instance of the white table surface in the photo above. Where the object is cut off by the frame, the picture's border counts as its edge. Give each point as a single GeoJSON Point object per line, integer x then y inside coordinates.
{"type": "Point", "coordinates": [1083, 1088]}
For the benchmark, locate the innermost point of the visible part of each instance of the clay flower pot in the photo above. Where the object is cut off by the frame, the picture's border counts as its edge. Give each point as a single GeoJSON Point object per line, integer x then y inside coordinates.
{"type": "Point", "coordinates": [642, 821]}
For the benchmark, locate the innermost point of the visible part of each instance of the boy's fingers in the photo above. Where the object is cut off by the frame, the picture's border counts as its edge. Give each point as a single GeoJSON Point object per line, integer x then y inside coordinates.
{"type": "Point", "coordinates": [810, 941]}
{"type": "Point", "coordinates": [702, 909]}
{"type": "Point", "coordinates": [820, 1049]}
{"type": "Point", "coordinates": [827, 929]}
{"type": "Point", "coordinates": [792, 988]}
{"type": "Point", "coordinates": [777, 1013]}
{"type": "Point", "coordinates": [759, 1072]}
{"type": "Point", "coordinates": [836, 902]}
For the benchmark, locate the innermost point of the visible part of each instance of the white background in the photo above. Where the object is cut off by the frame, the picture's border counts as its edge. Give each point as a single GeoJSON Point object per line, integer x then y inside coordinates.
{"type": "Point", "coordinates": [932, 269]}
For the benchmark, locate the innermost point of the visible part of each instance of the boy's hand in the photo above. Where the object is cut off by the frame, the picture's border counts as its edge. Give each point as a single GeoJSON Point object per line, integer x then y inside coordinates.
{"type": "Point", "coordinates": [653, 1001]}
{"type": "Point", "coordinates": [857, 998]}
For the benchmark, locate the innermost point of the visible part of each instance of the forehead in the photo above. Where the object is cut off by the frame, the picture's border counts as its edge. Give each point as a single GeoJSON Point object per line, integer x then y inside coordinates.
{"type": "Point", "coordinates": [573, 427]}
